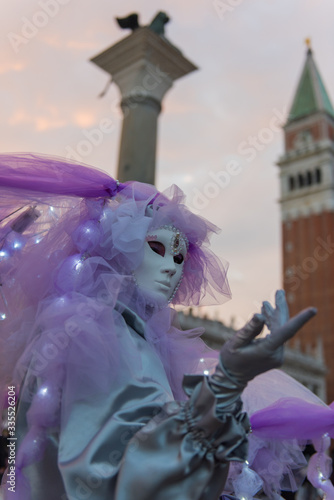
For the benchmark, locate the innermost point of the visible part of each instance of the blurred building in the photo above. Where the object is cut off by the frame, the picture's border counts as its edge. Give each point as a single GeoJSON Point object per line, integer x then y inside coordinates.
{"type": "Point", "coordinates": [307, 207]}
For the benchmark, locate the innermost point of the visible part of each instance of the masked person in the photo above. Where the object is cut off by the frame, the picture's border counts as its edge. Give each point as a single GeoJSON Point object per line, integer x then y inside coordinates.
{"type": "Point", "coordinates": [115, 401]}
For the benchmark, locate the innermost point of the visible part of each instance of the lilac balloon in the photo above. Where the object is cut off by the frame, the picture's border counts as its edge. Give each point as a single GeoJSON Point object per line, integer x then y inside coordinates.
{"type": "Point", "coordinates": [32, 447]}
{"type": "Point", "coordinates": [73, 274]}
{"type": "Point", "coordinates": [14, 243]}
{"type": "Point", "coordinates": [45, 406]}
{"type": "Point", "coordinates": [87, 236]}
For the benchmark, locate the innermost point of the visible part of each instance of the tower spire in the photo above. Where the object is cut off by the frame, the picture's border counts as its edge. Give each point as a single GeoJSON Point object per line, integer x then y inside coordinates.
{"type": "Point", "coordinates": [311, 95]}
{"type": "Point", "coordinates": [308, 44]}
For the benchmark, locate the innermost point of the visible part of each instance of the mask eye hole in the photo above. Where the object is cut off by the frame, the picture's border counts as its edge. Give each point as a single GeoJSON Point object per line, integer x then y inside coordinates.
{"type": "Point", "coordinates": [157, 247]}
{"type": "Point", "coordinates": [178, 259]}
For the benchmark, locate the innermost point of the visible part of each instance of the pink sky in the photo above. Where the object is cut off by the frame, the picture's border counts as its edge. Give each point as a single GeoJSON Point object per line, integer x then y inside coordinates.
{"type": "Point", "coordinates": [250, 55]}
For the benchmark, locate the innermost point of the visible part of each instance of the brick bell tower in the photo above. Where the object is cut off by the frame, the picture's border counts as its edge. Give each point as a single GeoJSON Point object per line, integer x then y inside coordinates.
{"type": "Point", "coordinates": [307, 208]}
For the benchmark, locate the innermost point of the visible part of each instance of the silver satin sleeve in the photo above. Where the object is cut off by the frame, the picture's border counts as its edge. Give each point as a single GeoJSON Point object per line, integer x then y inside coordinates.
{"type": "Point", "coordinates": [140, 444]}
{"type": "Point", "coordinates": [182, 453]}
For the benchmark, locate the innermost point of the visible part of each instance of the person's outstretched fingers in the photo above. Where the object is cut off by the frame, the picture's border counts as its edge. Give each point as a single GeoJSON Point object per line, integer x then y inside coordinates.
{"type": "Point", "coordinates": [251, 330]}
{"type": "Point", "coordinates": [281, 305]}
{"type": "Point", "coordinates": [291, 327]}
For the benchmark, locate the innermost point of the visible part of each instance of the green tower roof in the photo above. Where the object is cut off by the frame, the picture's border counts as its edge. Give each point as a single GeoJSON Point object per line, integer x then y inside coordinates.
{"type": "Point", "coordinates": [311, 95]}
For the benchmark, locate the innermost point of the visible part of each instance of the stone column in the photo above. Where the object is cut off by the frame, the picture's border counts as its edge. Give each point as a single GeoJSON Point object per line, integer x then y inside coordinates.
{"type": "Point", "coordinates": [144, 65]}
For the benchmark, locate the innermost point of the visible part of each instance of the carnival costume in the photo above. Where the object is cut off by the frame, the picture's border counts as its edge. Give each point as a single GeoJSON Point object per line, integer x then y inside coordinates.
{"type": "Point", "coordinates": [98, 363]}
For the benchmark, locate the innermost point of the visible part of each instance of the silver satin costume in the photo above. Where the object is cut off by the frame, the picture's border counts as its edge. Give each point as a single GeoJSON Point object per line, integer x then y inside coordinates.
{"type": "Point", "coordinates": [138, 443]}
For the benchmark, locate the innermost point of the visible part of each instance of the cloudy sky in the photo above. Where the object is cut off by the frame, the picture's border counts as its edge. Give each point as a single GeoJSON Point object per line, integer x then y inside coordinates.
{"type": "Point", "coordinates": [250, 54]}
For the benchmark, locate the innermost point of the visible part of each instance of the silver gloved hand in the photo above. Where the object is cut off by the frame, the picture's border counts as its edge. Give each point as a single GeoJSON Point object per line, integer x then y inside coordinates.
{"type": "Point", "coordinates": [243, 357]}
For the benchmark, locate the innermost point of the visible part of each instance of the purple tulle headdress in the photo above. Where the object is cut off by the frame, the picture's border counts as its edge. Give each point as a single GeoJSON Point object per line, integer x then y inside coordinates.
{"type": "Point", "coordinates": [69, 230]}
{"type": "Point", "coordinates": [52, 210]}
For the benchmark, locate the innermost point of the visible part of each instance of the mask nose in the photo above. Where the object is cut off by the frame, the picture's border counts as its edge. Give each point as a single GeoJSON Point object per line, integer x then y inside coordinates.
{"type": "Point", "coordinates": [169, 268]}
{"type": "Point", "coordinates": [169, 271]}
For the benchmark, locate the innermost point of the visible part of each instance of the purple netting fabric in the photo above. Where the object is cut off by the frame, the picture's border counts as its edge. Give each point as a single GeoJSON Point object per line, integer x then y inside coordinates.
{"type": "Point", "coordinates": [285, 416]}
{"type": "Point", "coordinates": [48, 175]}
{"type": "Point", "coordinates": [118, 217]}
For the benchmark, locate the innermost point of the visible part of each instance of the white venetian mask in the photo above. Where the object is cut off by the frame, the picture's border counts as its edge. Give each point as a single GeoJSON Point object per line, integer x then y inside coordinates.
{"type": "Point", "coordinates": [161, 270]}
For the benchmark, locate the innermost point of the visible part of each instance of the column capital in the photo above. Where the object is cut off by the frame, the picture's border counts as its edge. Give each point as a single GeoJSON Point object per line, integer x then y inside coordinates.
{"type": "Point", "coordinates": [144, 63]}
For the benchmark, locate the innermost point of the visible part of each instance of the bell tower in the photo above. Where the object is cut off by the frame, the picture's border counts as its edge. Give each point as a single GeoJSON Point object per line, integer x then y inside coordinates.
{"type": "Point", "coordinates": [307, 210]}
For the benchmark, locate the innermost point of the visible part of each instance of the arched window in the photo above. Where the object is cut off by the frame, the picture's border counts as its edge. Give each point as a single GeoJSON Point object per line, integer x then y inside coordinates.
{"type": "Point", "coordinates": [318, 175]}
{"type": "Point", "coordinates": [300, 180]}
{"type": "Point", "coordinates": [291, 183]}
{"type": "Point", "coordinates": [309, 178]}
